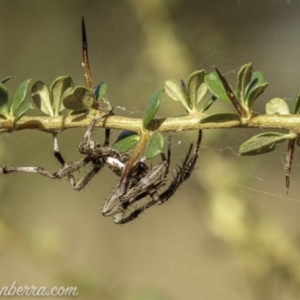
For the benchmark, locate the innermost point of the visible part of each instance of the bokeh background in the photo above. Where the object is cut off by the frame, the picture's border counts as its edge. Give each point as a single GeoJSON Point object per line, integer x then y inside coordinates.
{"type": "Point", "coordinates": [230, 232]}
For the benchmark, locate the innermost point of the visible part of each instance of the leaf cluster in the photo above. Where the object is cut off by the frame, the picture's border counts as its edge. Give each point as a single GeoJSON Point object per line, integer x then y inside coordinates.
{"type": "Point", "coordinates": [13, 109]}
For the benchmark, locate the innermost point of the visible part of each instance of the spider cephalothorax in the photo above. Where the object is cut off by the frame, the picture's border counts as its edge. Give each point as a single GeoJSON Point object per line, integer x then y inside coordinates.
{"type": "Point", "coordinates": [140, 182]}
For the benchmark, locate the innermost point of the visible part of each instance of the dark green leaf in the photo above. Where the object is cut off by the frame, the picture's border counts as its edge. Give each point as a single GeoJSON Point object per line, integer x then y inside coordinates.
{"type": "Point", "coordinates": [196, 87]}
{"type": "Point", "coordinates": [124, 134]}
{"type": "Point", "coordinates": [57, 90]}
{"type": "Point", "coordinates": [41, 98]}
{"type": "Point", "coordinates": [174, 91]}
{"type": "Point", "coordinates": [7, 78]}
{"type": "Point", "coordinates": [3, 100]}
{"type": "Point", "coordinates": [20, 113]}
{"type": "Point", "coordinates": [220, 117]}
{"type": "Point", "coordinates": [216, 87]}
{"type": "Point", "coordinates": [256, 79]}
{"type": "Point", "coordinates": [255, 93]}
{"type": "Point", "coordinates": [80, 98]}
{"type": "Point", "coordinates": [277, 106]}
{"type": "Point", "coordinates": [155, 145]}
{"type": "Point", "coordinates": [263, 143]}
{"type": "Point", "coordinates": [243, 80]}
{"type": "Point", "coordinates": [152, 108]}
{"type": "Point", "coordinates": [126, 143]}
{"type": "Point", "coordinates": [296, 106]}
{"type": "Point", "coordinates": [19, 96]}
{"type": "Point", "coordinates": [100, 91]}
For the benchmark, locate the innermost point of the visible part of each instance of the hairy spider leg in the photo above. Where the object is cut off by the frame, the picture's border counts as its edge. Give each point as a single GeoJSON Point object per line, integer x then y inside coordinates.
{"type": "Point", "coordinates": [94, 154]}
{"type": "Point", "coordinates": [182, 173]}
{"type": "Point", "coordinates": [148, 185]}
{"type": "Point", "coordinates": [137, 172]}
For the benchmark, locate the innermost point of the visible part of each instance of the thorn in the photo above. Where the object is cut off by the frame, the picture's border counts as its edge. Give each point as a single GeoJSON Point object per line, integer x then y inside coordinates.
{"type": "Point", "coordinates": [85, 58]}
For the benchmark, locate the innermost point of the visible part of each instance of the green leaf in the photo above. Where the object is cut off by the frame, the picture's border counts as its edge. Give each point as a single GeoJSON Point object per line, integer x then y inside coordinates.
{"type": "Point", "coordinates": [220, 117]}
{"type": "Point", "coordinates": [20, 113]}
{"type": "Point", "coordinates": [263, 143]}
{"type": "Point", "coordinates": [296, 106]}
{"type": "Point", "coordinates": [209, 103]}
{"type": "Point", "coordinates": [80, 98]}
{"type": "Point", "coordinates": [41, 98]}
{"type": "Point", "coordinates": [152, 108]}
{"type": "Point", "coordinates": [277, 106]}
{"type": "Point", "coordinates": [3, 100]}
{"type": "Point", "coordinates": [243, 80]}
{"type": "Point", "coordinates": [257, 78]}
{"type": "Point", "coordinates": [215, 86]}
{"type": "Point", "coordinates": [100, 91]}
{"type": "Point", "coordinates": [201, 93]}
{"type": "Point", "coordinates": [57, 90]}
{"type": "Point", "coordinates": [124, 134]}
{"type": "Point", "coordinates": [19, 96]}
{"type": "Point", "coordinates": [175, 92]}
{"type": "Point", "coordinates": [7, 78]}
{"type": "Point", "coordinates": [196, 87]}
{"type": "Point", "coordinates": [155, 145]}
{"type": "Point", "coordinates": [255, 93]}
{"type": "Point", "coordinates": [126, 142]}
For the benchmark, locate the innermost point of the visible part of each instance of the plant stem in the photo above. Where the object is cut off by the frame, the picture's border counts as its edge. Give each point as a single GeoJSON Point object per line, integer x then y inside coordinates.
{"type": "Point", "coordinates": [190, 122]}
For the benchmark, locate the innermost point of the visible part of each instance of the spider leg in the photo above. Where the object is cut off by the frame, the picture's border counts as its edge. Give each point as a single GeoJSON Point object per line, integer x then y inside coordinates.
{"type": "Point", "coordinates": [132, 179]}
{"type": "Point", "coordinates": [148, 185]}
{"type": "Point", "coordinates": [182, 174]}
{"type": "Point", "coordinates": [87, 145]}
{"type": "Point", "coordinates": [120, 219]}
{"type": "Point", "coordinates": [68, 170]}
{"type": "Point", "coordinates": [139, 183]}
{"type": "Point", "coordinates": [96, 154]}
{"type": "Point", "coordinates": [168, 158]}
{"type": "Point", "coordinates": [57, 153]}
{"type": "Point", "coordinates": [61, 160]}
{"type": "Point", "coordinates": [151, 183]}
{"type": "Point", "coordinates": [107, 135]}
{"type": "Point", "coordinates": [87, 178]}
{"type": "Point", "coordinates": [39, 170]}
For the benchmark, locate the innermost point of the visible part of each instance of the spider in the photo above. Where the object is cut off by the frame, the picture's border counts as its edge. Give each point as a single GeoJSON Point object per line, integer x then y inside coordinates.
{"type": "Point", "coordinates": [142, 182]}
{"type": "Point", "coordinates": [94, 153]}
{"type": "Point", "coordinates": [139, 183]}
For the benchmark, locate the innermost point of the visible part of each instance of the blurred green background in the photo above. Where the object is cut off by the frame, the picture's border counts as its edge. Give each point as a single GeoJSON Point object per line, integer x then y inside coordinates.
{"type": "Point", "coordinates": [230, 232]}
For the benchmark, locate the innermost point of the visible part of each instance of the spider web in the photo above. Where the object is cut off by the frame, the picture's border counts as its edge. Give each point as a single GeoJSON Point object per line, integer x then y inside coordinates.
{"type": "Point", "coordinates": [272, 50]}
{"type": "Point", "coordinates": [260, 176]}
